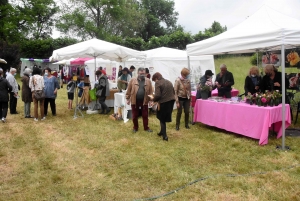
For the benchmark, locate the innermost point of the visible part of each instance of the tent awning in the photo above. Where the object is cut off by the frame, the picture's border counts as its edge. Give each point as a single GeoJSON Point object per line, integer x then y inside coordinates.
{"type": "Point", "coordinates": [265, 29]}
{"type": "Point", "coordinates": [97, 48]}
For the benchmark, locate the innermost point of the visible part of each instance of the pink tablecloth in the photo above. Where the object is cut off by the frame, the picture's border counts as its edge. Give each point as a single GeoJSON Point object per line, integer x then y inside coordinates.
{"type": "Point", "coordinates": [244, 119]}
{"type": "Point", "coordinates": [234, 92]}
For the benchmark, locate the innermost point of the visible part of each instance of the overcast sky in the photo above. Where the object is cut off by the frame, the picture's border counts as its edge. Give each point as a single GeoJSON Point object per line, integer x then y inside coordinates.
{"type": "Point", "coordinates": [196, 15]}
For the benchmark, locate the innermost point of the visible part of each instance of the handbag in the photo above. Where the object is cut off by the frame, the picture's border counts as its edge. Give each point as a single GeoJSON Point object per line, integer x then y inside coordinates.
{"type": "Point", "coordinates": [92, 93]}
{"type": "Point", "coordinates": [38, 94]}
{"type": "Point", "coordinates": [156, 106]}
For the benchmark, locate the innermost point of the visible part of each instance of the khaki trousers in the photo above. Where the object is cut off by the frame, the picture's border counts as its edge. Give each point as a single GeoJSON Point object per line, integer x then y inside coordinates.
{"type": "Point", "coordinates": [35, 103]}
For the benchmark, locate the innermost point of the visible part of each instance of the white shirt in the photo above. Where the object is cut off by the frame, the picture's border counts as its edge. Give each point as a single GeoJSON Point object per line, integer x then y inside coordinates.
{"type": "Point", "coordinates": [36, 82]}
{"type": "Point", "coordinates": [13, 82]}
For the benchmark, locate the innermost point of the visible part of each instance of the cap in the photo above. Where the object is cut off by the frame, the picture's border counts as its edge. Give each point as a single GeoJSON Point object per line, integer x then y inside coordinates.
{"type": "Point", "coordinates": [209, 72]}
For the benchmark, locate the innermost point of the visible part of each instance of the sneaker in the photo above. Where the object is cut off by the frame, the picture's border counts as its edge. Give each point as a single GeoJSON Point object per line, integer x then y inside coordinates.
{"type": "Point", "coordinates": [35, 119]}
{"type": "Point", "coordinates": [43, 118]}
{"type": "Point", "coordinates": [3, 120]}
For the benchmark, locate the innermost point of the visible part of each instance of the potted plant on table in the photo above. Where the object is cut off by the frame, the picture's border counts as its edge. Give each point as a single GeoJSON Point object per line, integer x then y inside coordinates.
{"type": "Point", "coordinates": [206, 89]}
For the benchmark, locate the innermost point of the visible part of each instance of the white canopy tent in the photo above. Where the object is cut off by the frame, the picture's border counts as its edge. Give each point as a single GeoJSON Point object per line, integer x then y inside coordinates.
{"type": "Point", "coordinates": [169, 62]}
{"type": "Point", "coordinates": [266, 29]}
{"type": "Point", "coordinates": [64, 62]}
{"type": "Point", "coordinates": [97, 48]}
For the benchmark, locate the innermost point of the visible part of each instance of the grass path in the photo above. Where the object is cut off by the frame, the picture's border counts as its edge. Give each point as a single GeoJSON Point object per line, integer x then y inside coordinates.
{"type": "Point", "coordinates": [95, 158]}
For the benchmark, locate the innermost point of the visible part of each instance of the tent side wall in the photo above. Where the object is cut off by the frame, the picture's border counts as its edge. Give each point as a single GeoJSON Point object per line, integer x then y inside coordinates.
{"type": "Point", "coordinates": [30, 65]}
{"type": "Point", "coordinates": [110, 66]}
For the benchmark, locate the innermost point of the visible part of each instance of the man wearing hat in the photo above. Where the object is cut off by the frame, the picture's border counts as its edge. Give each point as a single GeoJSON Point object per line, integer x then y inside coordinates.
{"type": "Point", "coordinates": [224, 81]}
{"type": "Point", "coordinates": [124, 79]}
{"type": "Point", "coordinates": [207, 77]}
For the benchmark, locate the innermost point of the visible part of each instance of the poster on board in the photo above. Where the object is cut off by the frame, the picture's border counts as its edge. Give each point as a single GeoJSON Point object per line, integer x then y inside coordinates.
{"type": "Point", "coordinates": [271, 58]}
{"type": "Point", "coordinates": [292, 58]}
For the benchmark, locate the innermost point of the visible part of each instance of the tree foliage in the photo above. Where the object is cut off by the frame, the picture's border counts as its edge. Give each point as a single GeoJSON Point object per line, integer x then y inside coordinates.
{"type": "Point", "coordinates": [43, 48]}
{"type": "Point", "coordinates": [11, 53]}
{"type": "Point", "coordinates": [101, 19]}
{"type": "Point", "coordinates": [161, 18]}
{"type": "Point", "coordinates": [34, 18]}
{"type": "Point", "coordinates": [214, 30]}
{"type": "Point", "coordinates": [26, 25]}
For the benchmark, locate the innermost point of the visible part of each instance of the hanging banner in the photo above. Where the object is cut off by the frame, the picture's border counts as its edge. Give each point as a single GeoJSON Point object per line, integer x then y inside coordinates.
{"type": "Point", "coordinates": [271, 58]}
{"type": "Point", "coordinates": [292, 58]}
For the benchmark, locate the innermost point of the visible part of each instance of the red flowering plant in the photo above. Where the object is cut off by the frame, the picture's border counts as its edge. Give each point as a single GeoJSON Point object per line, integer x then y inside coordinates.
{"type": "Point", "coordinates": [267, 98]}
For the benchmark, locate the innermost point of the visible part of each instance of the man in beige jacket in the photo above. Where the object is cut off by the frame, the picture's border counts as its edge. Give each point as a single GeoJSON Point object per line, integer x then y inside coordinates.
{"type": "Point", "coordinates": [137, 94]}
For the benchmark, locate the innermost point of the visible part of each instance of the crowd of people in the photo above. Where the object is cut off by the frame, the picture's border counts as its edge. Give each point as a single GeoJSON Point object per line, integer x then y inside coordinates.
{"type": "Point", "coordinates": [32, 81]}
{"type": "Point", "coordinates": [254, 82]}
{"type": "Point", "coordinates": [139, 92]}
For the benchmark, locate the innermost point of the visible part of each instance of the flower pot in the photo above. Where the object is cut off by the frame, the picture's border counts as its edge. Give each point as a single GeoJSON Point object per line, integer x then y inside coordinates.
{"type": "Point", "coordinates": [276, 102]}
{"type": "Point", "coordinates": [204, 95]}
{"type": "Point", "coordinates": [271, 103]}
{"type": "Point", "coordinates": [259, 103]}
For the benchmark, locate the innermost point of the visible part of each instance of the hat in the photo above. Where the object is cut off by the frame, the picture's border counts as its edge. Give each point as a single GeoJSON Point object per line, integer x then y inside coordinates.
{"type": "Point", "coordinates": [209, 72]}
{"type": "Point", "coordinates": [125, 69]}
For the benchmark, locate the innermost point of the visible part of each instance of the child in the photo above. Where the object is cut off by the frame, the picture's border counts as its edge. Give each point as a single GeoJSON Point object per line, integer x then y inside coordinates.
{"type": "Point", "coordinates": [71, 88]}
{"type": "Point", "coordinates": [80, 86]}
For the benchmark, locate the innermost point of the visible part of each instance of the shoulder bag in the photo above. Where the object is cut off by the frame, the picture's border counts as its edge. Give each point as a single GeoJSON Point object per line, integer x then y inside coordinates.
{"type": "Point", "coordinates": [38, 94]}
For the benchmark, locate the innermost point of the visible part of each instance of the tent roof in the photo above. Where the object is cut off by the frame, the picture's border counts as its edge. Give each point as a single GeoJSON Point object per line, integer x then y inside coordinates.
{"type": "Point", "coordinates": [265, 29]}
{"type": "Point", "coordinates": [79, 61]}
{"type": "Point", "coordinates": [165, 52]}
{"type": "Point", "coordinates": [97, 60]}
{"type": "Point", "coordinates": [97, 48]}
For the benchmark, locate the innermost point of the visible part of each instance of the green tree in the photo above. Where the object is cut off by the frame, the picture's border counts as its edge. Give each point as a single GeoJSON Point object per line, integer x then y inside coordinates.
{"type": "Point", "coordinates": [43, 48]}
{"type": "Point", "coordinates": [8, 23]}
{"type": "Point", "coordinates": [161, 18]}
{"type": "Point", "coordinates": [134, 43]}
{"type": "Point", "coordinates": [214, 30]}
{"type": "Point", "coordinates": [11, 53]}
{"type": "Point", "coordinates": [101, 18]}
{"type": "Point", "coordinates": [180, 39]}
{"type": "Point", "coordinates": [34, 18]}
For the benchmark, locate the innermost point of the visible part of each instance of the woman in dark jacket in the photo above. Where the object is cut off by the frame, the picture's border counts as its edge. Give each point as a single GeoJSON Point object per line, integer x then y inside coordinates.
{"type": "Point", "coordinates": [206, 77]}
{"type": "Point", "coordinates": [165, 96]}
{"type": "Point", "coordinates": [5, 88]}
{"type": "Point", "coordinates": [272, 80]}
{"type": "Point", "coordinates": [102, 90]}
{"type": "Point", "coordinates": [26, 92]}
{"type": "Point", "coordinates": [252, 81]}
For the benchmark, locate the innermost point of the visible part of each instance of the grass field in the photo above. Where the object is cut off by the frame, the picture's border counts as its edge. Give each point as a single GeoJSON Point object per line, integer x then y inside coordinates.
{"type": "Point", "coordinates": [95, 158]}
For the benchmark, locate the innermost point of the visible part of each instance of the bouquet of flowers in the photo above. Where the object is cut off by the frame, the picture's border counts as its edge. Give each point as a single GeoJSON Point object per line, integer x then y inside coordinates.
{"type": "Point", "coordinates": [208, 85]}
{"type": "Point", "coordinates": [267, 98]}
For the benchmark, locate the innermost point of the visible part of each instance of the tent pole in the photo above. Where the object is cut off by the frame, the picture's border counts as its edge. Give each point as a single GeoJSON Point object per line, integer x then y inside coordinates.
{"type": "Point", "coordinates": [283, 95]}
{"type": "Point", "coordinates": [189, 67]}
{"type": "Point", "coordinates": [257, 58]}
{"type": "Point", "coordinates": [95, 64]}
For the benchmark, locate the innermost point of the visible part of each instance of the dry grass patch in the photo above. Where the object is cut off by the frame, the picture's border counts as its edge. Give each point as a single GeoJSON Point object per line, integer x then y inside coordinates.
{"type": "Point", "coordinates": [94, 158]}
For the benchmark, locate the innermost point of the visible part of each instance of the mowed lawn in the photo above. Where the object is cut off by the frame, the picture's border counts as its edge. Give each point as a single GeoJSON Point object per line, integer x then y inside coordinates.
{"type": "Point", "coordinates": [95, 158]}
